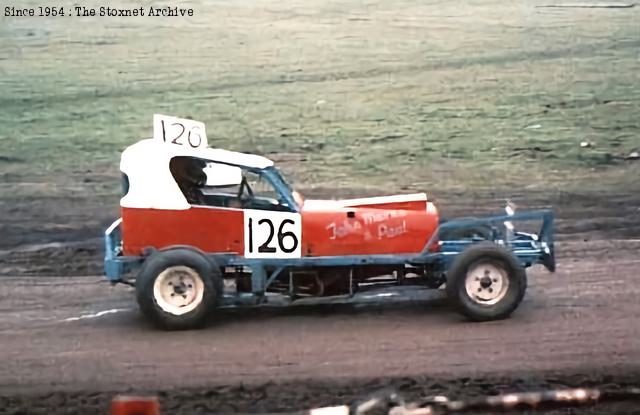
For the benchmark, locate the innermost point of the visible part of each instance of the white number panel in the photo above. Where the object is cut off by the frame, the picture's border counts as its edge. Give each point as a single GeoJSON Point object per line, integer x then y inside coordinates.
{"type": "Point", "coordinates": [179, 131]}
{"type": "Point", "coordinates": [269, 234]}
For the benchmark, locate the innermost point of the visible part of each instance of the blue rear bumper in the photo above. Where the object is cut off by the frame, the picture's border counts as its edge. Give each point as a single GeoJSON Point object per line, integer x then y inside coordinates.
{"type": "Point", "coordinates": [116, 265]}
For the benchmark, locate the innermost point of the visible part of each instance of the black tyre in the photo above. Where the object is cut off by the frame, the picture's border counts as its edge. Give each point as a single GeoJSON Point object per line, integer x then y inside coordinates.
{"type": "Point", "coordinates": [486, 282]}
{"type": "Point", "coordinates": [178, 288]}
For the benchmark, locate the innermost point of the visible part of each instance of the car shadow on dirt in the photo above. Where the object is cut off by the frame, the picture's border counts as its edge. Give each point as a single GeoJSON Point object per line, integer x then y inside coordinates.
{"type": "Point", "coordinates": [438, 306]}
{"type": "Point", "coordinates": [438, 310]}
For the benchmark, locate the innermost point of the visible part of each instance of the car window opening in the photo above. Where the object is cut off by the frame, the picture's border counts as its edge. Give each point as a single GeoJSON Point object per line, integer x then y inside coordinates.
{"type": "Point", "coordinates": [207, 183]}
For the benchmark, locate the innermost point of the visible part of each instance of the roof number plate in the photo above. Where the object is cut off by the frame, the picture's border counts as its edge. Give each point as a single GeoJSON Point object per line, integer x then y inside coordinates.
{"type": "Point", "coordinates": [179, 131]}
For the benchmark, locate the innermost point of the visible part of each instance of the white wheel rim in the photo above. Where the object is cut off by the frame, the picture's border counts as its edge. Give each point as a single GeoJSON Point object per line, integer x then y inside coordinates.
{"type": "Point", "coordinates": [487, 283]}
{"type": "Point", "coordinates": [178, 290]}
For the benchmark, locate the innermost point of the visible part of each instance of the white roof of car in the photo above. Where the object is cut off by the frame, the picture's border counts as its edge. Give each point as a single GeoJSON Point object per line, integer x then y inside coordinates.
{"type": "Point", "coordinates": [153, 148]}
{"type": "Point", "coordinates": [151, 185]}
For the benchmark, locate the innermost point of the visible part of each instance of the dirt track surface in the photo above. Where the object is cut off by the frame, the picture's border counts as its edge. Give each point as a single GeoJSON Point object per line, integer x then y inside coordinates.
{"type": "Point", "coordinates": [577, 327]}
{"type": "Point", "coordinates": [71, 343]}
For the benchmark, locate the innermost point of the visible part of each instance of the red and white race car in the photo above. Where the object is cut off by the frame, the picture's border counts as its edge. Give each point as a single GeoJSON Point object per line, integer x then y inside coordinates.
{"type": "Point", "coordinates": [208, 228]}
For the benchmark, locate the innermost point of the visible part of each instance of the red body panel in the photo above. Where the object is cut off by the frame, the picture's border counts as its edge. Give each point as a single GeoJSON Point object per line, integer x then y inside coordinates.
{"type": "Point", "coordinates": [369, 231]}
{"type": "Point", "coordinates": [210, 229]}
{"type": "Point", "coordinates": [388, 228]}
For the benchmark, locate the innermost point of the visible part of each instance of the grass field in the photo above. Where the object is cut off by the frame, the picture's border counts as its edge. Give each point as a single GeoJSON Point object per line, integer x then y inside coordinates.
{"type": "Point", "coordinates": [373, 95]}
{"type": "Point", "coordinates": [359, 90]}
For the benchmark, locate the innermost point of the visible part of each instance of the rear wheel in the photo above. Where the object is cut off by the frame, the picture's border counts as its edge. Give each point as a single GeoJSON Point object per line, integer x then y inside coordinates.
{"type": "Point", "coordinates": [486, 282]}
{"type": "Point", "coordinates": [178, 288]}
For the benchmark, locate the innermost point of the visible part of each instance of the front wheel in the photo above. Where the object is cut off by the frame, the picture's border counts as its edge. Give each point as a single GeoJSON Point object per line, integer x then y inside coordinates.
{"type": "Point", "coordinates": [178, 288]}
{"type": "Point", "coordinates": [486, 282]}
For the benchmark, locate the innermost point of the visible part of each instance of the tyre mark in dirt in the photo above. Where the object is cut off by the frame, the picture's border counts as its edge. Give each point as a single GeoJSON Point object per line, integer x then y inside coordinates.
{"type": "Point", "coordinates": [97, 315]}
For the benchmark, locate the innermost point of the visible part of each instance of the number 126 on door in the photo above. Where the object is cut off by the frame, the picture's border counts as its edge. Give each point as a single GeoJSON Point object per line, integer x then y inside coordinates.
{"type": "Point", "coordinates": [269, 234]}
